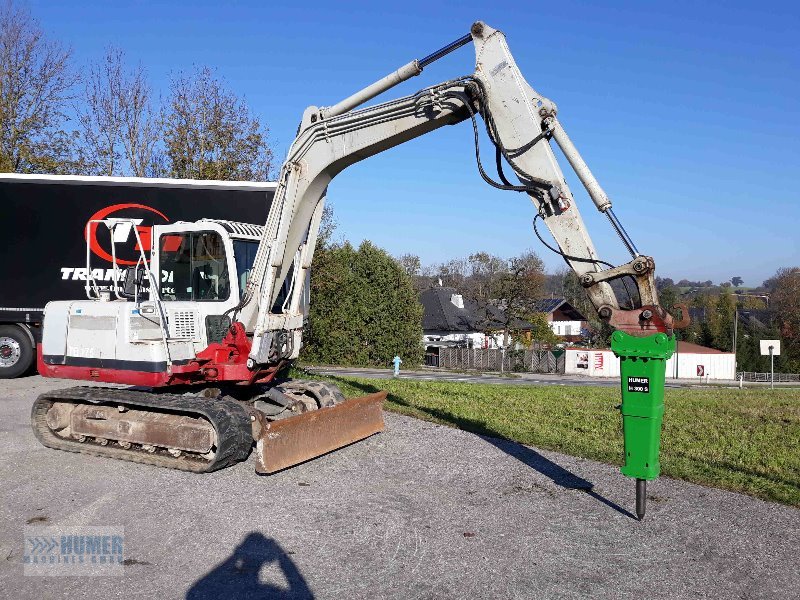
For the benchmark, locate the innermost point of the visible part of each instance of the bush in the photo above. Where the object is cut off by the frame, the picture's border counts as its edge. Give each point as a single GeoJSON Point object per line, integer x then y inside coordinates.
{"type": "Point", "coordinates": [364, 309]}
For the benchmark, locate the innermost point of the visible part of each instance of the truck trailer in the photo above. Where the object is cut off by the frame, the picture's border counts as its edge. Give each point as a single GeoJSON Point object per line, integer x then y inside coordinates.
{"type": "Point", "coordinates": [44, 223]}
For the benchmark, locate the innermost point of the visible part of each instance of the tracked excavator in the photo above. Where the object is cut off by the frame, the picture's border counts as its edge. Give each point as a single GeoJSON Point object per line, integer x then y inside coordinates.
{"type": "Point", "coordinates": [206, 326]}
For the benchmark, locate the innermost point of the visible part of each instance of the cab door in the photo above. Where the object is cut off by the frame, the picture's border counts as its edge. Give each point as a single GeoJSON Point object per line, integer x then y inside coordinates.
{"type": "Point", "coordinates": [196, 278]}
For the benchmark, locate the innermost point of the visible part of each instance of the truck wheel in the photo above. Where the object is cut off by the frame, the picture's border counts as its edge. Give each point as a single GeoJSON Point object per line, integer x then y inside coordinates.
{"type": "Point", "coordinates": [16, 351]}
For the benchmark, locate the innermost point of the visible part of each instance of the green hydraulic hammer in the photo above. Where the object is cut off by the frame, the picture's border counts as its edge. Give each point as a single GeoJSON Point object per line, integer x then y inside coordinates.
{"type": "Point", "coordinates": [642, 363]}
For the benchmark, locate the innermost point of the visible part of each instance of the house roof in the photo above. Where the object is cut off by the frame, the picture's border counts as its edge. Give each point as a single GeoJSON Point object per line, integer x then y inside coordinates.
{"type": "Point", "coordinates": [689, 348]}
{"type": "Point", "coordinates": [682, 348]}
{"type": "Point", "coordinates": [755, 317]}
{"type": "Point", "coordinates": [697, 314]}
{"type": "Point", "coordinates": [549, 305]}
{"type": "Point", "coordinates": [440, 314]}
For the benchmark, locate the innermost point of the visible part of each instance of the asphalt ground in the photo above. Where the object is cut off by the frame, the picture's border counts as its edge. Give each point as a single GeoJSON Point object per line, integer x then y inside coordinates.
{"type": "Point", "coordinates": [468, 377]}
{"type": "Point", "coordinates": [477, 377]}
{"type": "Point", "coordinates": [419, 511]}
{"type": "Point", "coordinates": [432, 374]}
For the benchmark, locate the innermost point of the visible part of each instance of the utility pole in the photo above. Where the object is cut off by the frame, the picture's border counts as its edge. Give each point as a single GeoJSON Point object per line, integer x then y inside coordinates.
{"type": "Point", "coordinates": [735, 332]}
{"type": "Point", "coordinates": [772, 367]}
{"type": "Point", "coordinates": [773, 348]}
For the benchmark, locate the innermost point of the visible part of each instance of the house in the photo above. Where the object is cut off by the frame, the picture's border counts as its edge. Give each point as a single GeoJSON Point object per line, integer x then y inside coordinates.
{"type": "Point", "coordinates": [450, 319]}
{"type": "Point", "coordinates": [565, 320]}
{"type": "Point", "coordinates": [690, 361]}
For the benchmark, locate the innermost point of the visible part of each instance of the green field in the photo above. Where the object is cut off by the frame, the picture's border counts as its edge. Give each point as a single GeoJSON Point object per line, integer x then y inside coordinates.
{"type": "Point", "coordinates": [742, 440]}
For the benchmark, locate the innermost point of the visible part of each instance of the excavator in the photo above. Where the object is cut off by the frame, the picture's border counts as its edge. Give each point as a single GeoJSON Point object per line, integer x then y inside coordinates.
{"type": "Point", "coordinates": [202, 332]}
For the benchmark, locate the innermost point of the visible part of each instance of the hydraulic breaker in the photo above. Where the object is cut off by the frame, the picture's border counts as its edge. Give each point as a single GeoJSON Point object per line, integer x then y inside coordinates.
{"type": "Point", "coordinates": [643, 362]}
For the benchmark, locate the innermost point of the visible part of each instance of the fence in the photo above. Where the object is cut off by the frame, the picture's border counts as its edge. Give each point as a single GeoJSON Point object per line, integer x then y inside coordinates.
{"type": "Point", "coordinates": [767, 377]}
{"type": "Point", "coordinates": [431, 360]}
{"type": "Point", "coordinates": [484, 359]}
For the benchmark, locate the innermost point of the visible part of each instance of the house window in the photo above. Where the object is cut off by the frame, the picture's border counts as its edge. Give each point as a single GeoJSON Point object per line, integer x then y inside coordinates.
{"type": "Point", "coordinates": [567, 329]}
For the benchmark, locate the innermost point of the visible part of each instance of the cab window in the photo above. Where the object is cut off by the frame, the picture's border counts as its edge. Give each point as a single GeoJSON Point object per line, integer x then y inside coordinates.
{"type": "Point", "coordinates": [244, 251]}
{"type": "Point", "coordinates": [193, 267]}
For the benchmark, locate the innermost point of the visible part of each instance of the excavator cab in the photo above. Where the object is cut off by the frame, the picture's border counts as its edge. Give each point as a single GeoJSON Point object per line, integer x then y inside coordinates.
{"type": "Point", "coordinates": [161, 312]}
{"type": "Point", "coordinates": [165, 323]}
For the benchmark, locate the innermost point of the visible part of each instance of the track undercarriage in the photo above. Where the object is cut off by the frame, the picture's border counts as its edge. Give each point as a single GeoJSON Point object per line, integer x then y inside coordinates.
{"type": "Point", "coordinates": [207, 430]}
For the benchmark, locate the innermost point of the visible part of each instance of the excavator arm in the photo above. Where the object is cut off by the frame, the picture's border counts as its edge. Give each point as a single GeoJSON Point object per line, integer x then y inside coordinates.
{"type": "Point", "coordinates": [520, 123]}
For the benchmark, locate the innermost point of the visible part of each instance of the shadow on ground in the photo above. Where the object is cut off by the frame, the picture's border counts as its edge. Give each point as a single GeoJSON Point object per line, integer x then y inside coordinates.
{"type": "Point", "coordinates": [239, 576]}
{"type": "Point", "coordinates": [556, 473]}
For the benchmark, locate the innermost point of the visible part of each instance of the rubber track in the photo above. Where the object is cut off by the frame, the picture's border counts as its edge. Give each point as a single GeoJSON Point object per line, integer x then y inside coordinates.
{"type": "Point", "coordinates": [229, 419]}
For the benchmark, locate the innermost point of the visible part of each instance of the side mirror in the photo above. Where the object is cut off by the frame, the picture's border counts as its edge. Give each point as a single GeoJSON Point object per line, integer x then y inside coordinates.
{"type": "Point", "coordinates": [132, 282]}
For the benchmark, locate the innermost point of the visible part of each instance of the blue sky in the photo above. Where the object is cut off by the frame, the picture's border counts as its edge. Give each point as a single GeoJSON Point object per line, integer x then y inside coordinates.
{"type": "Point", "coordinates": [687, 112]}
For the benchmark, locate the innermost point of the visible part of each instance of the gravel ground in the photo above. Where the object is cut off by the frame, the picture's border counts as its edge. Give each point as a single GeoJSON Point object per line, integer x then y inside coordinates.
{"type": "Point", "coordinates": [419, 511]}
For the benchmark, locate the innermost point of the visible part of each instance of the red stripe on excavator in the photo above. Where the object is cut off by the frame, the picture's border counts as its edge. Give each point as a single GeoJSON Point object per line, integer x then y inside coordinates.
{"type": "Point", "coordinates": [226, 361]}
{"type": "Point", "coordinates": [102, 374]}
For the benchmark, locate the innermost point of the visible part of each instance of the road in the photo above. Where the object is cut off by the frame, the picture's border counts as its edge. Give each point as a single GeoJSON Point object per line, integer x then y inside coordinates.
{"type": "Point", "coordinates": [509, 379]}
{"type": "Point", "coordinates": [523, 378]}
{"type": "Point", "coordinates": [418, 511]}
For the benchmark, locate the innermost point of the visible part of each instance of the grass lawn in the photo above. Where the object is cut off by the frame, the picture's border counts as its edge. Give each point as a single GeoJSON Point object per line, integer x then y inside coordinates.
{"type": "Point", "coordinates": [742, 440]}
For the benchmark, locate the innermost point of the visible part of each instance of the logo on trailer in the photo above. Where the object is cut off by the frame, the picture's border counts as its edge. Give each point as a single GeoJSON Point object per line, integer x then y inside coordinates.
{"type": "Point", "coordinates": [126, 245]}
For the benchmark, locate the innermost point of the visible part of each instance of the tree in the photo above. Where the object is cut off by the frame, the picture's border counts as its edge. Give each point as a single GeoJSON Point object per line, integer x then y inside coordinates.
{"type": "Point", "coordinates": [512, 285]}
{"type": "Point", "coordinates": [722, 325]}
{"type": "Point", "coordinates": [541, 332]}
{"type": "Point", "coordinates": [484, 274]}
{"type": "Point", "coordinates": [574, 293]}
{"type": "Point", "coordinates": [364, 309]}
{"type": "Point", "coordinates": [327, 227]}
{"type": "Point", "coordinates": [737, 281]}
{"type": "Point", "coordinates": [210, 133]}
{"type": "Point", "coordinates": [142, 127]}
{"type": "Point", "coordinates": [705, 335]}
{"type": "Point", "coordinates": [410, 263]}
{"type": "Point", "coordinates": [101, 119]}
{"type": "Point", "coordinates": [453, 273]}
{"type": "Point", "coordinates": [769, 284]}
{"type": "Point", "coordinates": [120, 129]}
{"type": "Point", "coordinates": [785, 307]}
{"type": "Point", "coordinates": [35, 86]}
{"type": "Point", "coordinates": [662, 282]}
{"type": "Point", "coordinates": [521, 285]}
{"type": "Point", "coordinates": [668, 296]}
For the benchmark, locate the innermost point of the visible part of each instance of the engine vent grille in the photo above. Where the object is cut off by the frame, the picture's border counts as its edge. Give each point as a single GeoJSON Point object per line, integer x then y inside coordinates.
{"type": "Point", "coordinates": [183, 324]}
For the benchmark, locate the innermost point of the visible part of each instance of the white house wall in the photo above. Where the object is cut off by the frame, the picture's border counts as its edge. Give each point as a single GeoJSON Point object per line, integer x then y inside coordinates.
{"type": "Point", "coordinates": [476, 339]}
{"type": "Point", "coordinates": [603, 363]}
{"type": "Point", "coordinates": [566, 327]}
{"type": "Point", "coordinates": [714, 366]}
{"type": "Point", "coordinates": [597, 363]}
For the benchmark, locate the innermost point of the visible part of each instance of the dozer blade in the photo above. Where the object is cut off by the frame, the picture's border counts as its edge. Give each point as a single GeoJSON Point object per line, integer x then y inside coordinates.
{"type": "Point", "coordinates": [291, 441]}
